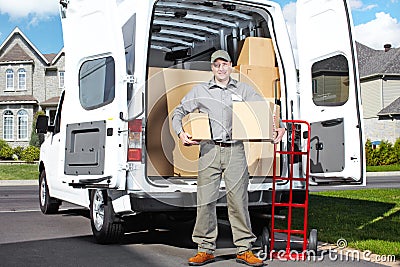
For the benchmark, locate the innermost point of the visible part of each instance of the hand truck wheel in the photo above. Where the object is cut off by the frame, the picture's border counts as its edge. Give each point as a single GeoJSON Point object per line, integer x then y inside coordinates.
{"type": "Point", "coordinates": [313, 241]}
{"type": "Point", "coordinates": [265, 240]}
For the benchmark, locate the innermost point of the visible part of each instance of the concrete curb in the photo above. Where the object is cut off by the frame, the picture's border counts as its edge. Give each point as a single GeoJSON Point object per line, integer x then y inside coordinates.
{"type": "Point", "coordinates": [18, 182]}
{"type": "Point", "coordinates": [396, 173]}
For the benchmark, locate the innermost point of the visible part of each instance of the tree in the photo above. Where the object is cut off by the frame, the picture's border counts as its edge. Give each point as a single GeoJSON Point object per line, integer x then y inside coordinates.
{"type": "Point", "coordinates": [36, 139]}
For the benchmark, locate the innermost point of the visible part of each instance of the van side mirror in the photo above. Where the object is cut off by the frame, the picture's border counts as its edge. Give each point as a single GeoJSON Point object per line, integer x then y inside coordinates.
{"type": "Point", "coordinates": [42, 124]}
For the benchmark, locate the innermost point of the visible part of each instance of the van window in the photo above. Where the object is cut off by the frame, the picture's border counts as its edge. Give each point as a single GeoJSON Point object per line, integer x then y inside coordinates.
{"type": "Point", "coordinates": [330, 81]}
{"type": "Point", "coordinates": [97, 82]}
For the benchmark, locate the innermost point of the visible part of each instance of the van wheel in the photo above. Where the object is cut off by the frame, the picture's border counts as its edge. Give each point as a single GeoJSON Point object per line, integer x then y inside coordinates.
{"type": "Point", "coordinates": [106, 227]}
{"type": "Point", "coordinates": [48, 205]}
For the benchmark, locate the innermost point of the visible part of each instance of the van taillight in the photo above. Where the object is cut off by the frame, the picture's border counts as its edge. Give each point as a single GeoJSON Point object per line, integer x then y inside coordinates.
{"type": "Point", "coordinates": [135, 140]}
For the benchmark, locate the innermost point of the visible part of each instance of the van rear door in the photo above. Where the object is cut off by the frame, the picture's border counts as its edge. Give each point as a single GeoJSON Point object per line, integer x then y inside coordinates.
{"type": "Point", "coordinates": [96, 81]}
{"type": "Point", "coordinates": [330, 90]}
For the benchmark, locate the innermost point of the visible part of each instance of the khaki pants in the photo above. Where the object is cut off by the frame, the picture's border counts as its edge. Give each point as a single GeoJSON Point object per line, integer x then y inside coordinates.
{"type": "Point", "coordinates": [215, 163]}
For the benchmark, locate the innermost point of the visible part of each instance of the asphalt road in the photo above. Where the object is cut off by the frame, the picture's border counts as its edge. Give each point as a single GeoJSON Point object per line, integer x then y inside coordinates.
{"type": "Point", "coordinates": [29, 238]}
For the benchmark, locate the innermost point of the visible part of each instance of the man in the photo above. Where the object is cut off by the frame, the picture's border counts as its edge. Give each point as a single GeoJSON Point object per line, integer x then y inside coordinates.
{"type": "Point", "coordinates": [220, 157]}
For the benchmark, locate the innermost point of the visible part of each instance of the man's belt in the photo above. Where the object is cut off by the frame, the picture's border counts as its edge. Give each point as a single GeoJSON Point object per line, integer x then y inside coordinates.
{"type": "Point", "coordinates": [223, 144]}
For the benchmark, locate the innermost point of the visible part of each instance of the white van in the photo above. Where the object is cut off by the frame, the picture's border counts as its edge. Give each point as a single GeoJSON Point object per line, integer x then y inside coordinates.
{"type": "Point", "coordinates": [128, 64]}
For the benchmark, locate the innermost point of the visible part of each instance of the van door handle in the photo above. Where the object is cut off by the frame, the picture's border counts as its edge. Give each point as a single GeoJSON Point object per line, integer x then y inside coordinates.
{"type": "Point", "coordinates": [331, 123]}
{"type": "Point", "coordinates": [319, 146]}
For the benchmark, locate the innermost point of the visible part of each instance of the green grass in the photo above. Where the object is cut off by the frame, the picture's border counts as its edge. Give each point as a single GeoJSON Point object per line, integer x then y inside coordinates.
{"type": "Point", "coordinates": [19, 171]}
{"type": "Point", "coordinates": [369, 219]}
{"type": "Point", "coordinates": [384, 168]}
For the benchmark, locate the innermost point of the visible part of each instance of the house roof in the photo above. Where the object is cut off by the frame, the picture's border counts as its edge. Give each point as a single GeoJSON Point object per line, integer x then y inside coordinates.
{"type": "Point", "coordinates": [372, 62]}
{"type": "Point", "coordinates": [18, 31]}
{"type": "Point", "coordinates": [50, 57]}
{"type": "Point", "coordinates": [16, 53]}
{"type": "Point", "coordinates": [57, 56]}
{"type": "Point", "coordinates": [18, 98]}
{"type": "Point", "coordinates": [51, 101]}
{"type": "Point", "coordinates": [392, 109]}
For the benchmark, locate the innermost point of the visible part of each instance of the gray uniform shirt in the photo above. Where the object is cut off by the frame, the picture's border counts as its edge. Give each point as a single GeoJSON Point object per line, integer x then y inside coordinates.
{"type": "Point", "coordinates": [215, 101]}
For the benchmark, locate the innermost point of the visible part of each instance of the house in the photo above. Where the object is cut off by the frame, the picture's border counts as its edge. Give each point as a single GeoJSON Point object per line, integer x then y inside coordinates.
{"type": "Point", "coordinates": [29, 81]}
{"type": "Point", "coordinates": [380, 91]}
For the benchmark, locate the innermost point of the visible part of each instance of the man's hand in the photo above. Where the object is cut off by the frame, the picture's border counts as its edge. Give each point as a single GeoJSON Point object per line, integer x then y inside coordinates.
{"type": "Point", "coordinates": [280, 132]}
{"type": "Point", "coordinates": [186, 139]}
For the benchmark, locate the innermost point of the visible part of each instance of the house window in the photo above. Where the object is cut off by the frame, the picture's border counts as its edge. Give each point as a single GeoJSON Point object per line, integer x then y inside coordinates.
{"type": "Point", "coordinates": [9, 79]}
{"type": "Point", "coordinates": [8, 125]}
{"type": "Point", "coordinates": [21, 79]}
{"type": "Point", "coordinates": [61, 79]}
{"type": "Point", "coordinates": [22, 117]}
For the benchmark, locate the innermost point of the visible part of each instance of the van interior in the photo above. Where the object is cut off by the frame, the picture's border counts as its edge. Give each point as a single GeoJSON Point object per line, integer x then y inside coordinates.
{"type": "Point", "coordinates": [184, 34]}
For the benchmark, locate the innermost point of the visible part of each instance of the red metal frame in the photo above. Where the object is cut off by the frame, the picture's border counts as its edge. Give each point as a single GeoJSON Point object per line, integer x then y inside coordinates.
{"type": "Point", "coordinates": [289, 254]}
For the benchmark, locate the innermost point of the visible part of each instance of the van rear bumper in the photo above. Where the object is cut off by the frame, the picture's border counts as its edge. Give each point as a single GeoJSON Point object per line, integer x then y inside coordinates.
{"type": "Point", "coordinates": [178, 201]}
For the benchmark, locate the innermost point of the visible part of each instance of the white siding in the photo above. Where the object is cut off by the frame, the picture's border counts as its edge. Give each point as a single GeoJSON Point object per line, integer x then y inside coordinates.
{"type": "Point", "coordinates": [371, 98]}
{"type": "Point", "coordinates": [377, 130]}
{"type": "Point", "coordinates": [391, 91]}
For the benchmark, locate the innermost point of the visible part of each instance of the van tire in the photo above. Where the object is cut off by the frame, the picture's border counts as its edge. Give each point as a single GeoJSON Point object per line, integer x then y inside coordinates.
{"type": "Point", "coordinates": [48, 204]}
{"type": "Point", "coordinates": [106, 227]}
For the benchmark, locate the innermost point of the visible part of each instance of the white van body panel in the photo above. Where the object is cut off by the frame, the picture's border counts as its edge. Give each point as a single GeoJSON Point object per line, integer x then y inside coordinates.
{"type": "Point", "coordinates": [99, 36]}
{"type": "Point", "coordinates": [324, 30]}
{"type": "Point", "coordinates": [94, 31]}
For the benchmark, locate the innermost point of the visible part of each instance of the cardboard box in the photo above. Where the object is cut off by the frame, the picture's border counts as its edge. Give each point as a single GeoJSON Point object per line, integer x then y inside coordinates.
{"type": "Point", "coordinates": [253, 120]}
{"type": "Point", "coordinates": [257, 51]}
{"type": "Point", "coordinates": [160, 142]}
{"type": "Point", "coordinates": [260, 158]}
{"type": "Point", "coordinates": [197, 125]}
{"type": "Point", "coordinates": [265, 80]}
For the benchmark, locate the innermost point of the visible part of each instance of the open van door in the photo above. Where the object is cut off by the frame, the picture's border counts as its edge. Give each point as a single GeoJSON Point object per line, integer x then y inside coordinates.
{"type": "Point", "coordinates": [97, 81]}
{"type": "Point", "coordinates": [330, 90]}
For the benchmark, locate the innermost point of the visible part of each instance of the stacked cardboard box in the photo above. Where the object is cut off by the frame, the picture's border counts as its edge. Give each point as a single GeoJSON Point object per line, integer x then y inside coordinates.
{"type": "Point", "coordinates": [265, 80]}
{"type": "Point", "coordinates": [160, 142]}
{"type": "Point", "coordinates": [256, 66]}
{"type": "Point", "coordinates": [256, 51]}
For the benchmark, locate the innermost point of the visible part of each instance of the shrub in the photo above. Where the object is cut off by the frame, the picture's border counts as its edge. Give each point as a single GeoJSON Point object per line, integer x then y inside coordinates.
{"type": "Point", "coordinates": [396, 148]}
{"type": "Point", "coordinates": [368, 152]}
{"type": "Point", "coordinates": [6, 152]}
{"type": "Point", "coordinates": [3, 143]}
{"type": "Point", "coordinates": [385, 154]}
{"type": "Point", "coordinates": [18, 151]}
{"type": "Point", "coordinates": [30, 154]}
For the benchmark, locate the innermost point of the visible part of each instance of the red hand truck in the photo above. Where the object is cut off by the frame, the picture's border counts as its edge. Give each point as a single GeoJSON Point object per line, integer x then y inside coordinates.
{"type": "Point", "coordinates": [292, 152]}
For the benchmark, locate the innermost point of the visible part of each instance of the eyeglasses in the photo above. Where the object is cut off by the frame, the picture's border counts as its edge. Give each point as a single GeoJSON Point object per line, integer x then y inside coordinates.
{"type": "Point", "coordinates": [224, 65]}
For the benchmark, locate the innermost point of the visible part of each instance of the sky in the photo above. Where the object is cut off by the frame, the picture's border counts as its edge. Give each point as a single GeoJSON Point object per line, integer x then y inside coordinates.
{"type": "Point", "coordinates": [376, 22]}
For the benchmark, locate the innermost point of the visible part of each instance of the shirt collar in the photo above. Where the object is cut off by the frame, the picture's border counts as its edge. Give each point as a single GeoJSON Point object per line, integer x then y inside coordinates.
{"type": "Point", "coordinates": [232, 83]}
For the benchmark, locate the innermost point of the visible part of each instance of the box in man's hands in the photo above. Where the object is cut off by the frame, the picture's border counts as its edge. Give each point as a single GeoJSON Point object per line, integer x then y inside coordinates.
{"type": "Point", "coordinates": [254, 120]}
{"type": "Point", "coordinates": [197, 125]}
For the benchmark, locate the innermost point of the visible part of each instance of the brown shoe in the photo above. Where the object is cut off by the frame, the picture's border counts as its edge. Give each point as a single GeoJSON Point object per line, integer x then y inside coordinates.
{"type": "Point", "coordinates": [201, 258]}
{"type": "Point", "coordinates": [249, 258]}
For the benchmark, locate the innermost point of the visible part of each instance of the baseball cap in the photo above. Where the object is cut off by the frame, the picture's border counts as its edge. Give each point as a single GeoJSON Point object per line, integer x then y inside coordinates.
{"type": "Point", "coordinates": [220, 54]}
